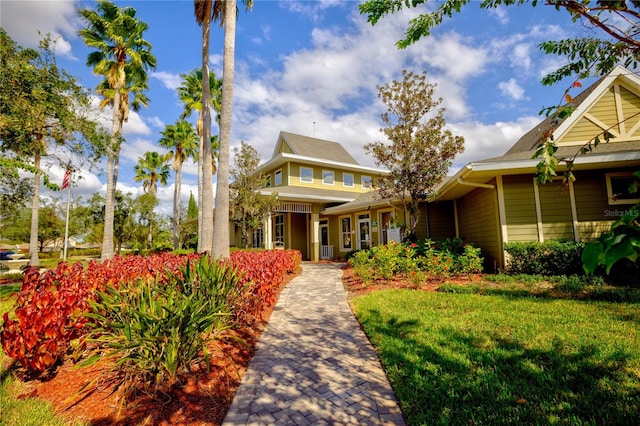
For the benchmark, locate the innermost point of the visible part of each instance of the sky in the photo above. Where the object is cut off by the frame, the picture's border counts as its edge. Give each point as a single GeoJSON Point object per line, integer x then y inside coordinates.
{"type": "Point", "coordinates": [314, 68]}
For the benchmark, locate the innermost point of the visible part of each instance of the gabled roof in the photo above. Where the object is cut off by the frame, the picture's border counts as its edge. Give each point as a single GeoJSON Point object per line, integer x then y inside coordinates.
{"type": "Point", "coordinates": [306, 146]}
{"type": "Point", "coordinates": [520, 159]}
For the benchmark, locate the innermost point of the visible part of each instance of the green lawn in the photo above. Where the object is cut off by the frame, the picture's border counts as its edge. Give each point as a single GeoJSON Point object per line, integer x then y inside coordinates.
{"type": "Point", "coordinates": [462, 359]}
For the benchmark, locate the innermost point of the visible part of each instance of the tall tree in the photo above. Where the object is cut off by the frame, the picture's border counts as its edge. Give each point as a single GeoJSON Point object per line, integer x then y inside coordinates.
{"type": "Point", "coordinates": [421, 149]}
{"type": "Point", "coordinates": [40, 105]}
{"type": "Point", "coordinates": [249, 207]}
{"type": "Point", "coordinates": [182, 142]}
{"type": "Point", "coordinates": [117, 36]}
{"type": "Point", "coordinates": [225, 12]}
{"type": "Point", "coordinates": [190, 94]}
{"type": "Point", "coordinates": [151, 170]}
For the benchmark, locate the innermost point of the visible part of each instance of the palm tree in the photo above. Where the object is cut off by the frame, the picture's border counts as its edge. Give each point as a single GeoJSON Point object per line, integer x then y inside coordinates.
{"type": "Point", "coordinates": [151, 169]}
{"type": "Point", "coordinates": [225, 12]}
{"type": "Point", "coordinates": [120, 50]}
{"type": "Point", "coordinates": [182, 142]}
{"type": "Point", "coordinates": [190, 94]}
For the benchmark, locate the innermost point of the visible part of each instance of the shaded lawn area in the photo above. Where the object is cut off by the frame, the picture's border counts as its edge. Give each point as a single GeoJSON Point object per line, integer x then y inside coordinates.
{"type": "Point", "coordinates": [468, 359]}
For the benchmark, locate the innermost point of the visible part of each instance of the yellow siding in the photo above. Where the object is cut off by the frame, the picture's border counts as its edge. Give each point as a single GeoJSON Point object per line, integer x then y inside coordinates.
{"type": "Point", "coordinates": [298, 234]}
{"type": "Point", "coordinates": [520, 208]}
{"type": "Point", "coordinates": [478, 223]}
{"type": "Point", "coordinates": [604, 110]}
{"type": "Point", "coordinates": [555, 207]}
{"type": "Point", "coordinates": [317, 179]}
{"type": "Point", "coordinates": [441, 221]}
{"type": "Point", "coordinates": [630, 105]}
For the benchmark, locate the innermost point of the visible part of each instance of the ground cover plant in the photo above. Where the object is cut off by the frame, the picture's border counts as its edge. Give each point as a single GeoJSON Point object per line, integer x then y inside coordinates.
{"type": "Point", "coordinates": [168, 337]}
{"type": "Point", "coordinates": [479, 359]}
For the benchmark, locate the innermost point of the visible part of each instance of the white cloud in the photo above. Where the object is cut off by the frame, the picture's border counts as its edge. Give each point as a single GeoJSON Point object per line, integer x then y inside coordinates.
{"type": "Point", "coordinates": [23, 19]}
{"type": "Point", "coordinates": [511, 89]}
{"type": "Point", "coordinates": [135, 125]}
{"type": "Point", "coordinates": [170, 80]}
{"type": "Point", "coordinates": [500, 14]}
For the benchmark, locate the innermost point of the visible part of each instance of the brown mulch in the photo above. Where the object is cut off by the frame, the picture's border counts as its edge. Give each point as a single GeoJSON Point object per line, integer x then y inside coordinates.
{"type": "Point", "coordinates": [202, 398]}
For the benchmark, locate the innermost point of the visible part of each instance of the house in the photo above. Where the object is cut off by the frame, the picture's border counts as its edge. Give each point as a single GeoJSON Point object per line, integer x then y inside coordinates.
{"type": "Point", "coordinates": [310, 175]}
{"type": "Point", "coordinates": [328, 207]}
{"type": "Point", "coordinates": [497, 200]}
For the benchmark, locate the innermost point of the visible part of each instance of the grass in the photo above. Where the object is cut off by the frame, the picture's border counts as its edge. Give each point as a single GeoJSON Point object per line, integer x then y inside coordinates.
{"type": "Point", "coordinates": [23, 411]}
{"type": "Point", "coordinates": [478, 359]}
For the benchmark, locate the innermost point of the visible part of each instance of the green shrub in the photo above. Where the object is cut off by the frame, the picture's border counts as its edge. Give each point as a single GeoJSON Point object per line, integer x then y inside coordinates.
{"type": "Point", "coordinates": [469, 261]}
{"type": "Point", "coordinates": [361, 263]}
{"type": "Point", "coordinates": [556, 257]}
{"type": "Point", "coordinates": [154, 331]}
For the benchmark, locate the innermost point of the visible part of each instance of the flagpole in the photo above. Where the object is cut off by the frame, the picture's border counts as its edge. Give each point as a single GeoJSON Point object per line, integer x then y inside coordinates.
{"type": "Point", "coordinates": [66, 225]}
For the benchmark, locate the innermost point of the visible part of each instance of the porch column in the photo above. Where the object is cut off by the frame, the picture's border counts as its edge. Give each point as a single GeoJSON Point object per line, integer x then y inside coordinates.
{"type": "Point", "coordinates": [315, 237]}
{"type": "Point", "coordinates": [268, 237]}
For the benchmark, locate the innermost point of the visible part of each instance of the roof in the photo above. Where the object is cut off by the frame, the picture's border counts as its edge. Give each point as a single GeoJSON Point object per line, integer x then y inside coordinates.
{"type": "Point", "coordinates": [364, 201]}
{"type": "Point", "coordinates": [300, 193]}
{"type": "Point", "coordinates": [312, 147]}
{"type": "Point", "coordinates": [520, 159]}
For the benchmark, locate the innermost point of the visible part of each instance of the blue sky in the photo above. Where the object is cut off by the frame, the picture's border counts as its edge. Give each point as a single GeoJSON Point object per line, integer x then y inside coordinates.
{"type": "Point", "coordinates": [313, 67]}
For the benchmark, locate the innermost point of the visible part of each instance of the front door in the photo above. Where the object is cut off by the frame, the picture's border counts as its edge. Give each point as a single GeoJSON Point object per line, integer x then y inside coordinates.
{"type": "Point", "coordinates": [364, 231]}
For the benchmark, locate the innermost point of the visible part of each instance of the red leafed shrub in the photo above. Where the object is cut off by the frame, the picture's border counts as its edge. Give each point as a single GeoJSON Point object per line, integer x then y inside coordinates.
{"type": "Point", "coordinates": [50, 306]}
{"type": "Point", "coordinates": [262, 272]}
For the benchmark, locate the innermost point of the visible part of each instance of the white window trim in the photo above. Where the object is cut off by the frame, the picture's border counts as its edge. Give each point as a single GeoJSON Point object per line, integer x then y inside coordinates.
{"type": "Point", "coordinates": [362, 180]}
{"type": "Point", "coordinates": [610, 194]}
{"type": "Point", "coordinates": [352, 180]}
{"type": "Point", "coordinates": [307, 168]}
{"type": "Point", "coordinates": [333, 177]}
{"type": "Point", "coordinates": [275, 178]}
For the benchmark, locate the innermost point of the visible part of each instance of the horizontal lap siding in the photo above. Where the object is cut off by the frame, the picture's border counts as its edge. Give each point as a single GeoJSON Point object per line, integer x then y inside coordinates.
{"type": "Point", "coordinates": [298, 236]}
{"type": "Point", "coordinates": [555, 206]}
{"type": "Point", "coordinates": [338, 185]}
{"type": "Point", "coordinates": [478, 223]}
{"type": "Point", "coordinates": [441, 221]}
{"type": "Point", "coordinates": [630, 106]}
{"type": "Point", "coordinates": [520, 208]}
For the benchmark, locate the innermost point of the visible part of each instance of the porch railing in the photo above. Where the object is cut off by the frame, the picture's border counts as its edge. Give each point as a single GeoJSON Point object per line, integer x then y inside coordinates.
{"type": "Point", "coordinates": [326, 252]}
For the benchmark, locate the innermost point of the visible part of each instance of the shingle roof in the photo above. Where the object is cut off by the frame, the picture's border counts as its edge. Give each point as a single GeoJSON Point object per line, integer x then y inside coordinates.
{"type": "Point", "coordinates": [311, 193]}
{"type": "Point", "coordinates": [533, 138]}
{"type": "Point", "coordinates": [316, 148]}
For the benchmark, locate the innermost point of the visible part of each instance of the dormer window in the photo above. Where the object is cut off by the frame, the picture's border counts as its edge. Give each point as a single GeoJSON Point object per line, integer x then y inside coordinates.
{"type": "Point", "coordinates": [327, 177]}
{"type": "Point", "coordinates": [306, 174]}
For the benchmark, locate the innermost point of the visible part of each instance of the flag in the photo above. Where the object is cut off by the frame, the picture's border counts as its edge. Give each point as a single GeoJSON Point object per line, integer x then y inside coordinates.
{"type": "Point", "coordinates": [65, 181]}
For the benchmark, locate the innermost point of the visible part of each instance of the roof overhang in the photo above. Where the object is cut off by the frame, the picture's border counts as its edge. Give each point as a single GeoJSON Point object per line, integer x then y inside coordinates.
{"type": "Point", "coordinates": [284, 196]}
{"type": "Point", "coordinates": [356, 206]}
{"type": "Point", "coordinates": [478, 174]}
{"type": "Point", "coordinates": [284, 157]}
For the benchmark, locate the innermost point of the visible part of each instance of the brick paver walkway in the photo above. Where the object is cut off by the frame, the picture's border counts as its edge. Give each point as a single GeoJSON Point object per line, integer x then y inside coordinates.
{"type": "Point", "coordinates": [313, 364]}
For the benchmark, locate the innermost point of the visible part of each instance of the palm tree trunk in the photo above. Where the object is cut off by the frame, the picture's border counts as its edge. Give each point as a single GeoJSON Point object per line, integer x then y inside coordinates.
{"type": "Point", "coordinates": [205, 239]}
{"type": "Point", "coordinates": [34, 259]}
{"type": "Point", "coordinates": [176, 207]}
{"type": "Point", "coordinates": [112, 169]}
{"type": "Point", "coordinates": [200, 184]}
{"type": "Point", "coordinates": [221, 222]}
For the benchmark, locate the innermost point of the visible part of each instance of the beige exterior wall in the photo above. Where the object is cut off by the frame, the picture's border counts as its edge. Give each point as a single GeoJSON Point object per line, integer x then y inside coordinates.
{"type": "Point", "coordinates": [298, 231]}
{"type": "Point", "coordinates": [555, 209]}
{"type": "Point", "coordinates": [520, 208]}
{"type": "Point", "coordinates": [591, 204]}
{"type": "Point", "coordinates": [478, 224]}
{"type": "Point", "coordinates": [441, 221]}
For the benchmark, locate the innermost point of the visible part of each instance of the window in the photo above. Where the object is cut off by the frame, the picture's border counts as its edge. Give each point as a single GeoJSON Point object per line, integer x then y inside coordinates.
{"type": "Point", "coordinates": [618, 188]}
{"type": "Point", "coordinates": [267, 182]}
{"type": "Point", "coordinates": [278, 179]}
{"type": "Point", "coordinates": [345, 233]}
{"type": "Point", "coordinates": [279, 231]}
{"type": "Point", "coordinates": [306, 174]}
{"type": "Point", "coordinates": [347, 179]}
{"type": "Point", "coordinates": [327, 177]}
{"type": "Point", "coordinates": [366, 181]}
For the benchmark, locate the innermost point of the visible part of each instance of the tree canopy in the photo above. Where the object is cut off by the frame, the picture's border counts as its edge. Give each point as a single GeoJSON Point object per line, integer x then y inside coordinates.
{"type": "Point", "coordinates": [421, 149]}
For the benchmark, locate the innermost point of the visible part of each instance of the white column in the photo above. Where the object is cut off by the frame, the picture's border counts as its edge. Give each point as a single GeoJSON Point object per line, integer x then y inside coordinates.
{"type": "Point", "coordinates": [268, 237]}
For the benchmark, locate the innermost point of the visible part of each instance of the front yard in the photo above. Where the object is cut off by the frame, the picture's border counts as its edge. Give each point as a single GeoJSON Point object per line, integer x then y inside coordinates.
{"type": "Point", "coordinates": [509, 358]}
